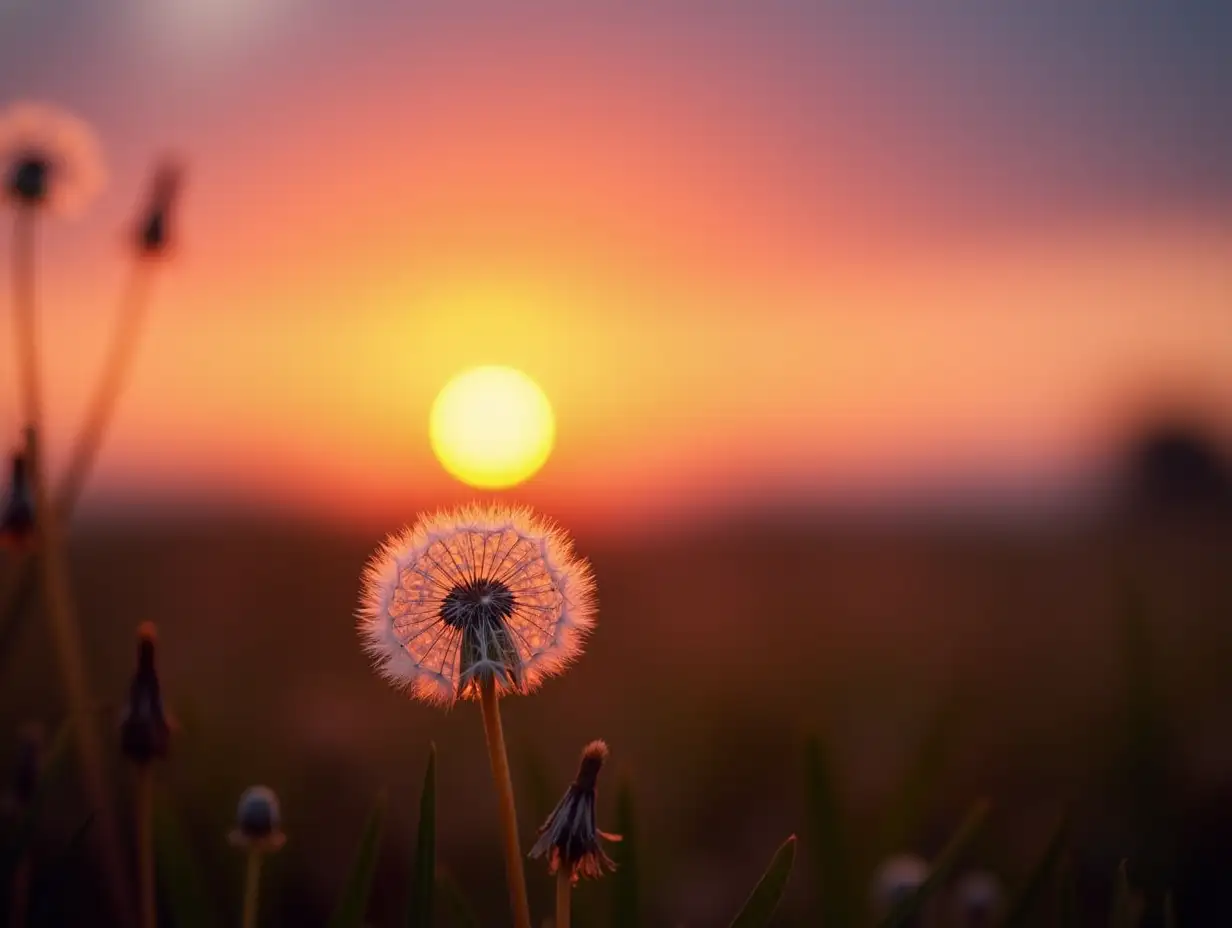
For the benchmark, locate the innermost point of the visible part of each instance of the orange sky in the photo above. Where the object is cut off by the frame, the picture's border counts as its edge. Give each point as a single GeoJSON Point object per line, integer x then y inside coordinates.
{"type": "Point", "coordinates": [739, 264]}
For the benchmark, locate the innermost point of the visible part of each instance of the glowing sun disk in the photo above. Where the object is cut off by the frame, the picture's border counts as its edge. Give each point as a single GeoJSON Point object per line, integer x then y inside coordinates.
{"type": "Point", "coordinates": [492, 427]}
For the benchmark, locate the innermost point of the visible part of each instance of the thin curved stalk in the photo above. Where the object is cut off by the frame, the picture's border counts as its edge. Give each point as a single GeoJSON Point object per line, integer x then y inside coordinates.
{"type": "Point", "coordinates": [61, 611]}
{"type": "Point", "coordinates": [499, 758]}
{"type": "Point", "coordinates": [145, 845]}
{"type": "Point", "coordinates": [19, 583]}
{"type": "Point", "coordinates": [252, 888]}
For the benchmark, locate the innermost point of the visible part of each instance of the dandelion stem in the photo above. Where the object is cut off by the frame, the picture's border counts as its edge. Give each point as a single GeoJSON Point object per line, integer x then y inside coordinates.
{"type": "Point", "coordinates": [25, 317]}
{"type": "Point", "coordinates": [145, 844]}
{"type": "Point", "coordinates": [252, 886]}
{"type": "Point", "coordinates": [514, 874]}
{"type": "Point", "coordinates": [124, 339]}
{"type": "Point", "coordinates": [564, 894]}
{"type": "Point", "coordinates": [19, 582]}
{"type": "Point", "coordinates": [58, 599]}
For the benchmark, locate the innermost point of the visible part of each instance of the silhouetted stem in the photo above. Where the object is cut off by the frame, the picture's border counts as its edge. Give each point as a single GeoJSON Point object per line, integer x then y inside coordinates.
{"type": "Point", "coordinates": [116, 365]}
{"type": "Point", "coordinates": [490, 704]}
{"type": "Point", "coordinates": [25, 321]}
{"type": "Point", "coordinates": [19, 582]}
{"type": "Point", "coordinates": [252, 887]}
{"type": "Point", "coordinates": [58, 600]}
{"type": "Point", "coordinates": [145, 845]}
{"type": "Point", "coordinates": [564, 893]}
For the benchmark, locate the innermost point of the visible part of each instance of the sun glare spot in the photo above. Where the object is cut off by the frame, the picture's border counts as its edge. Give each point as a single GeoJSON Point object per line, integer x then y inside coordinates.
{"type": "Point", "coordinates": [492, 427]}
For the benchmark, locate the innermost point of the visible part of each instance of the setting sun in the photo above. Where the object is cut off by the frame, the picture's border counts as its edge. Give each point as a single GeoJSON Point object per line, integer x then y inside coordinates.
{"type": "Point", "coordinates": [492, 427]}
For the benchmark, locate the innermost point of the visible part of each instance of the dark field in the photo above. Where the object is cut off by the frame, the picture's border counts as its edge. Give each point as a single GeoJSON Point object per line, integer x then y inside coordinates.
{"type": "Point", "coordinates": [1039, 664]}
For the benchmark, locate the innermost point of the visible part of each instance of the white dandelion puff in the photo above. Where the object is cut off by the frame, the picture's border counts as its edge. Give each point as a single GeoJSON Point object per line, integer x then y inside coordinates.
{"type": "Point", "coordinates": [475, 594]}
{"type": "Point", "coordinates": [49, 158]}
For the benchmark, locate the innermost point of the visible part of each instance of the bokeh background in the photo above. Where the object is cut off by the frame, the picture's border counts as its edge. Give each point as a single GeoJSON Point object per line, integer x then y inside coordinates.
{"type": "Point", "coordinates": [891, 354]}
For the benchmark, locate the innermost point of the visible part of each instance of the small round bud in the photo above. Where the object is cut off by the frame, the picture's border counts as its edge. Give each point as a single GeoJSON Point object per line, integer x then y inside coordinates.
{"type": "Point", "coordinates": [17, 519]}
{"type": "Point", "coordinates": [258, 820]}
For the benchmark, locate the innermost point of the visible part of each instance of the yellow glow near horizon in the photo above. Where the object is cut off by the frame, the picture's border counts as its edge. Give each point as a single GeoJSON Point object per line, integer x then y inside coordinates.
{"type": "Point", "coordinates": [492, 427]}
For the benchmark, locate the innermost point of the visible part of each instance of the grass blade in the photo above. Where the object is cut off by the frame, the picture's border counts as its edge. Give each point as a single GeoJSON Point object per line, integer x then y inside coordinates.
{"type": "Point", "coordinates": [354, 903]}
{"type": "Point", "coordinates": [462, 915]}
{"type": "Point", "coordinates": [423, 870]}
{"type": "Point", "coordinates": [1122, 915]}
{"type": "Point", "coordinates": [179, 875]}
{"type": "Point", "coordinates": [765, 897]}
{"type": "Point", "coordinates": [941, 868]}
{"type": "Point", "coordinates": [626, 881]}
{"type": "Point", "coordinates": [925, 769]}
{"type": "Point", "coordinates": [1027, 899]}
{"type": "Point", "coordinates": [828, 838]}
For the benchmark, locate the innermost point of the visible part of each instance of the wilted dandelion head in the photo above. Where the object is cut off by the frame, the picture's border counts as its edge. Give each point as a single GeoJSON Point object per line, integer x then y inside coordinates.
{"type": "Point", "coordinates": [480, 593]}
{"type": "Point", "coordinates": [17, 516]}
{"type": "Point", "coordinates": [48, 158]}
{"type": "Point", "coordinates": [570, 838]}
{"type": "Point", "coordinates": [153, 233]}
{"type": "Point", "coordinates": [145, 733]}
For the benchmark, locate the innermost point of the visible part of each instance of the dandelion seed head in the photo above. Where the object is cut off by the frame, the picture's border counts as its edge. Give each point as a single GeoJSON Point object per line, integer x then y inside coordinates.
{"type": "Point", "coordinates": [49, 158]}
{"type": "Point", "coordinates": [472, 594]}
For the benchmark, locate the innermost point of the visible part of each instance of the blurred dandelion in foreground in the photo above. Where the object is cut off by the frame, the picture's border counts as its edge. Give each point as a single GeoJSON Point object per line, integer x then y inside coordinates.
{"type": "Point", "coordinates": [480, 593]}
{"type": "Point", "coordinates": [17, 521]}
{"type": "Point", "coordinates": [977, 900]}
{"type": "Point", "coordinates": [48, 158]}
{"type": "Point", "coordinates": [258, 829]}
{"type": "Point", "coordinates": [570, 837]}
{"type": "Point", "coordinates": [896, 880]}
{"type": "Point", "coordinates": [476, 603]}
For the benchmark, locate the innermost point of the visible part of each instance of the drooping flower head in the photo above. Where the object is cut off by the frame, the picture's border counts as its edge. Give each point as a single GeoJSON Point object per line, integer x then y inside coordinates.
{"type": "Point", "coordinates": [570, 837]}
{"type": "Point", "coordinates": [48, 158]}
{"type": "Point", "coordinates": [477, 594]}
{"type": "Point", "coordinates": [153, 235]}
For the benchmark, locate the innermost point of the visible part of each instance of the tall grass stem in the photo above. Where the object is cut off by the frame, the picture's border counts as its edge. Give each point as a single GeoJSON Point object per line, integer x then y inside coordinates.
{"type": "Point", "coordinates": [57, 596]}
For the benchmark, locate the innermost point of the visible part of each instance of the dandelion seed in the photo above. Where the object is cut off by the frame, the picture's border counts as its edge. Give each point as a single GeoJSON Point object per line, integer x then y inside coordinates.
{"type": "Point", "coordinates": [145, 734]}
{"type": "Point", "coordinates": [896, 880]}
{"type": "Point", "coordinates": [477, 595]}
{"type": "Point", "coordinates": [570, 837]}
{"type": "Point", "coordinates": [48, 158]}
{"type": "Point", "coordinates": [17, 522]}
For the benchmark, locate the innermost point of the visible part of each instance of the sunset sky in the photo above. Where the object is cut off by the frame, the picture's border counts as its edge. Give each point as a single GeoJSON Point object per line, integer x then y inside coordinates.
{"type": "Point", "coordinates": [773, 251]}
